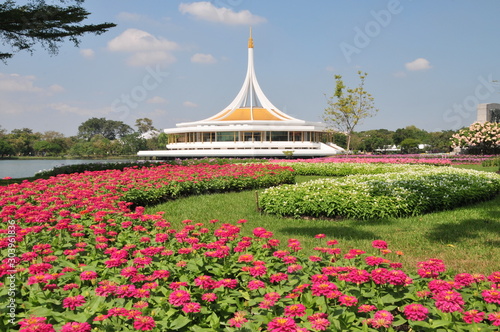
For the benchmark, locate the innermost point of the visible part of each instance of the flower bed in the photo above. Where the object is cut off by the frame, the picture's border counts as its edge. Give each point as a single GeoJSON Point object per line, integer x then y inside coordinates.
{"type": "Point", "coordinates": [76, 258]}
{"type": "Point", "coordinates": [136, 273]}
{"type": "Point", "coordinates": [418, 190]}
{"type": "Point", "coordinates": [343, 169]}
{"type": "Point", "coordinates": [425, 159]}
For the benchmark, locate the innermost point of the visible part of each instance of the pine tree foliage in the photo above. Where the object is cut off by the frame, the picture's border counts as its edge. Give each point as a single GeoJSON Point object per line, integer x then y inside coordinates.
{"type": "Point", "coordinates": [24, 26]}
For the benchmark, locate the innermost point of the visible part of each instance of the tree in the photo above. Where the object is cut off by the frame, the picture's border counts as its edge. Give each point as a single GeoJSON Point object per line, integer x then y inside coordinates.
{"type": "Point", "coordinates": [439, 141]}
{"type": "Point", "coordinates": [162, 140]}
{"type": "Point", "coordinates": [47, 148]}
{"type": "Point", "coordinates": [144, 125]}
{"type": "Point", "coordinates": [22, 140]}
{"type": "Point", "coordinates": [410, 132]}
{"type": "Point", "coordinates": [24, 26]}
{"type": "Point", "coordinates": [132, 143]}
{"type": "Point", "coordinates": [409, 145]}
{"type": "Point", "coordinates": [110, 129]}
{"type": "Point", "coordinates": [5, 148]}
{"type": "Point", "coordinates": [348, 107]}
{"type": "Point", "coordinates": [372, 140]}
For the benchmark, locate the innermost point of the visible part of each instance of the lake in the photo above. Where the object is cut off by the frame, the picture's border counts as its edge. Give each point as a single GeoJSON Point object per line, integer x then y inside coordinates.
{"type": "Point", "coordinates": [27, 168]}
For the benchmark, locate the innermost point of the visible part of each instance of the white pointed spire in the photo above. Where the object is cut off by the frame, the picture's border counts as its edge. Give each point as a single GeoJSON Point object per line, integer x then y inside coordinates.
{"type": "Point", "coordinates": [250, 103]}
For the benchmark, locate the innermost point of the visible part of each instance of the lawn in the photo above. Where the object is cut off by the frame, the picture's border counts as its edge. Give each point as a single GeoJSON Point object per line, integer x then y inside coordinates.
{"type": "Point", "coordinates": [467, 238]}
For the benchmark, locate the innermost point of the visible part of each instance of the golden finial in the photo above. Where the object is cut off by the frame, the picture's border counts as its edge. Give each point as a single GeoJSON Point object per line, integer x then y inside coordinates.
{"type": "Point", "coordinates": [250, 40]}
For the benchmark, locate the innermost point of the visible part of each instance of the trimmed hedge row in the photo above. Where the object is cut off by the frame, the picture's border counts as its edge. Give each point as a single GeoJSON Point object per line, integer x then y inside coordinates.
{"type": "Point", "coordinates": [207, 179]}
{"type": "Point", "coordinates": [343, 169]}
{"type": "Point", "coordinates": [420, 189]}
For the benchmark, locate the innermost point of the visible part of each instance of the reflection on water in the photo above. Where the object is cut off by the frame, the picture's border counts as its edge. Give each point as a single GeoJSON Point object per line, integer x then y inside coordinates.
{"type": "Point", "coordinates": [27, 168]}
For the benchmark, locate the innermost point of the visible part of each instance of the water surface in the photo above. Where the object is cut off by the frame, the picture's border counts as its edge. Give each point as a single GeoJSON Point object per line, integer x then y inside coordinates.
{"type": "Point", "coordinates": [20, 168]}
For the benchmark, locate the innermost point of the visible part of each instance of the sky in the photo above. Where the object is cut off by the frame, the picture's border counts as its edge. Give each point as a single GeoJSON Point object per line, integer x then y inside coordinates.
{"type": "Point", "coordinates": [429, 63]}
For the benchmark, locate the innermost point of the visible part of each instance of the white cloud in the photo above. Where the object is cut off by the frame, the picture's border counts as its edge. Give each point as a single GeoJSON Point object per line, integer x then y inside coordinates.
{"type": "Point", "coordinates": [206, 11]}
{"type": "Point", "coordinates": [150, 58]}
{"type": "Point", "coordinates": [399, 74]}
{"type": "Point", "coordinates": [330, 68]}
{"type": "Point", "coordinates": [189, 104]}
{"type": "Point", "coordinates": [156, 100]}
{"type": "Point", "coordinates": [87, 53]}
{"type": "Point", "coordinates": [146, 48]}
{"type": "Point", "coordinates": [68, 109]}
{"type": "Point", "coordinates": [135, 40]}
{"type": "Point", "coordinates": [125, 16]}
{"type": "Point", "coordinates": [17, 83]}
{"type": "Point", "coordinates": [203, 58]}
{"type": "Point", "coordinates": [418, 64]}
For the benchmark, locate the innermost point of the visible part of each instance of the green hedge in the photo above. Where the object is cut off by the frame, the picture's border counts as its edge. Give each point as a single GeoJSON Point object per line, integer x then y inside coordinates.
{"type": "Point", "coordinates": [175, 189]}
{"type": "Point", "coordinates": [420, 189]}
{"type": "Point", "coordinates": [343, 169]}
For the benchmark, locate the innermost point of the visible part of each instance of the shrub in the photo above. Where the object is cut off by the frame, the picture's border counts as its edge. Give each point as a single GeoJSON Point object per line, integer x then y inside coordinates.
{"type": "Point", "coordinates": [419, 190]}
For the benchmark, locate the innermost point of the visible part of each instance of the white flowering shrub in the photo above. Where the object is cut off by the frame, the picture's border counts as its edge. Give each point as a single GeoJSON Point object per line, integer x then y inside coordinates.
{"type": "Point", "coordinates": [420, 189]}
{"type": "Point", "coordinates": [479, 138]}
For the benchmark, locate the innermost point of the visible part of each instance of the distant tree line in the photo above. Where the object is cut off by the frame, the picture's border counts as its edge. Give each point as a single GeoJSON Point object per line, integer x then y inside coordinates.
{"type": "Point", "coordinates": [96, 137]}
{"type": "Point", "coordinates": [403, 140]}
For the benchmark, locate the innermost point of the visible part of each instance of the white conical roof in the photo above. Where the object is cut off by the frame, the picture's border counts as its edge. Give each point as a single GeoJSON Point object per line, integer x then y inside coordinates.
{"type": "Point", "coordinates": [251, 104]}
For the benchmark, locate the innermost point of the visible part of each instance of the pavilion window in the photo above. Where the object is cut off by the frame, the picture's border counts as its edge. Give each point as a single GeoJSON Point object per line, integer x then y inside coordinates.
{"type": "Point", "coordinates": [208, 137]}
{"type": "Point", "coordinates": [280, 136]}
{"type": "Point", "coordinates": [226, 136]}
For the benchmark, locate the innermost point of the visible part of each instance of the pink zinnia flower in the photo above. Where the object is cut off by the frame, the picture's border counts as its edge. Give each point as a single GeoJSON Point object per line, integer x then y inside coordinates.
{"type": "Point", "coordinates": [191, 307]}
{"type": "Point", "coordinates": [88, 275]}
{"type": "Point", "coordinates": [282, 324]}
{"type": "Point", "coordinates": [379, 244]}
{"type": "Point", "coordinates": [73, 301]}
{"type": "Point", "coordinates": [494, 317]}
{"type": "Point", "coordinates": [491, 296]}
{"type": "Point", "coordinates": [179, 297]}
{"type": "Point", "coordinates": [278, 277]}
{"type": "Point", "coordinates": [204, 282]}
{"type": "Point", "coordinates": [320, 324]}
{"type": "Point", "coordinates": [473, 316]}
{"type": "Point", "coordinates": [76, 327]}
{"type": "Point", "coordinates": [209, 297]}
{"type": "Point", "coordinates": [144, 323]}
{"type": "Point", "coordinates": [256, 284]}
{"type": "Point", "coordinates": [348, 301]}
{"type": "Point", "coordinates": [382, 318]}
{"type": "Point", "coordinates": [295, 310]}
{"type": "Point", "coordinates": [238, 320]}
{"type": "Point", "coordinates": [366, 308]}
{"type": "Point", "coordinates": [415, 311]}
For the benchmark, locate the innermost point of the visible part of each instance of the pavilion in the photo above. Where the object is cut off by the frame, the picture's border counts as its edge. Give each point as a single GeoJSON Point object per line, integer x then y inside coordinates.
{"type": "Point", "coordinates": [250, 126]}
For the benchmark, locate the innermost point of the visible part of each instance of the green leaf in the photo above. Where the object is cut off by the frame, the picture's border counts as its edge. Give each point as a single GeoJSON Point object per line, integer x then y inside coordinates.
{"type": "Point", "coordinates": [179, 322]}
